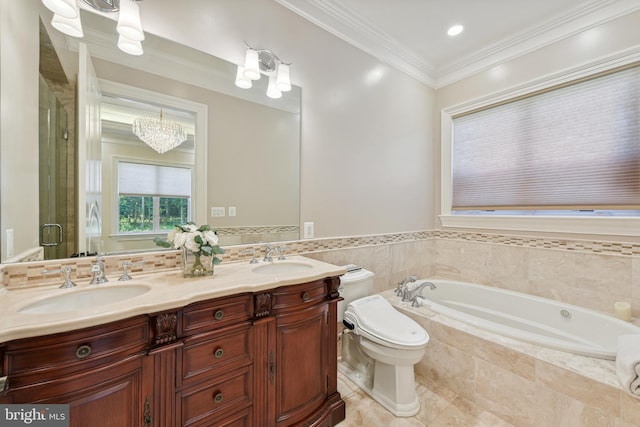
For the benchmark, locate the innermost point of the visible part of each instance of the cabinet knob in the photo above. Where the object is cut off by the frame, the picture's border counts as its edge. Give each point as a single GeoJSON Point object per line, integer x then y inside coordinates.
{"type": "Point", "coordinates": [305, 296]}
{"type": "Point", "coordinates": [218, 315]}
{"type": "Point", "coordinates": [83, 351]}
{"type": "Point", "coordinates": [217, 398]}
{"type": "Point", "coordinates": [218, 353]}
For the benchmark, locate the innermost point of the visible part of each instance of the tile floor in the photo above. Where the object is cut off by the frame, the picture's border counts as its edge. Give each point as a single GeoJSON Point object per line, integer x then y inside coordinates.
{"type": "Point", "coordinates": [439, 407]}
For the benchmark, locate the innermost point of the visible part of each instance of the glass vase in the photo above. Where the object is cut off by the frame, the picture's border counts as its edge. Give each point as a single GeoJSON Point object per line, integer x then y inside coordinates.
{"type": "Point", "coordinates": [196, 264]}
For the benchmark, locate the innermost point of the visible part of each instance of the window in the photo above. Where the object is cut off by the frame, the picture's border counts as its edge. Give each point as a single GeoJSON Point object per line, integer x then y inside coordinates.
{"type": "Point", "coordinates": [574, 148]}
{"type": "Point", "coordinates": [152, 198]}
{"type": "Point", "coordinates": [570, 151]}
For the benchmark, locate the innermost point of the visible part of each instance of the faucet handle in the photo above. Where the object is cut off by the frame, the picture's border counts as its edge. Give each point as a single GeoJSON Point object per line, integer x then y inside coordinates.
{"type": "Point", "coordinates": [125, 274]}
{"type": "Point", "coordinates": [68, 283]}
{"type": "Point", "coordinates": [281, 250]}
{"type": "Point", "coordinates": [251, 251]}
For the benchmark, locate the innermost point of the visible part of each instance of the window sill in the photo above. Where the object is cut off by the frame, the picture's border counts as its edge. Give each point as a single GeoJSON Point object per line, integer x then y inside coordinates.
{"type": "Point", "coordinates": [620, 226]}
{"type": "Point", "coordinates": [137, 236]}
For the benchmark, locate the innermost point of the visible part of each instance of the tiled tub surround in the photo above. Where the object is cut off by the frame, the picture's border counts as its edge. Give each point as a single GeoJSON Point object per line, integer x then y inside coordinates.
{"type": "Point", "coordinates": [523, 384]}
{"type": "Point", "coordinates": [591, 274]}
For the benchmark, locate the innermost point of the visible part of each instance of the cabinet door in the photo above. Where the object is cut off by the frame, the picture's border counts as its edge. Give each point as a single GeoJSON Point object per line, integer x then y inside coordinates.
{"type": "Point", "coordinates": [301, 363]}
{"type": "Point", "coordinates": [114, 395]}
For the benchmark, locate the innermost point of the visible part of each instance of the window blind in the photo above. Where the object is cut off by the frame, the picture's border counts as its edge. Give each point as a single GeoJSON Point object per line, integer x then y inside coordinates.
{"type": "Point", "coordinates": [153, 180]}
{"type": "Point", "coordinates": [575, 147]}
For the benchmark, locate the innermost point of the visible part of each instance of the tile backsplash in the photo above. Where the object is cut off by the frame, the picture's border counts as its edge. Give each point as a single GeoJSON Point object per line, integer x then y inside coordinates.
{"type": "Point", "coordinates": [592, 274]}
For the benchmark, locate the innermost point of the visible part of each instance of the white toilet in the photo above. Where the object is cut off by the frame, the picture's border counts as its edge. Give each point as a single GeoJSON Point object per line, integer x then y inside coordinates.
{"type": "Point", "coordinates": [380, 345]}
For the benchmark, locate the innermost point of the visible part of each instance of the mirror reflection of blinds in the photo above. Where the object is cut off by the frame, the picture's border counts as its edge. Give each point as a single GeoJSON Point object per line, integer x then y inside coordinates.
{"type": "Point", "coordinates": [576, 147]}
{"type": "Point", "coordinates": [153, 180]}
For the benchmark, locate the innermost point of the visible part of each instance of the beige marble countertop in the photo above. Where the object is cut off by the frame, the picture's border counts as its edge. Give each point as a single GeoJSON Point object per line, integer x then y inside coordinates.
{"type": "Point", "coordinates": [168, 290]}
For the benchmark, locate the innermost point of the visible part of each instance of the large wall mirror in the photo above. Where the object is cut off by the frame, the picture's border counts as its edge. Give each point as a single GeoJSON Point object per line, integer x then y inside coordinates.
{"type": "Point", "coordinates": [242, 153]}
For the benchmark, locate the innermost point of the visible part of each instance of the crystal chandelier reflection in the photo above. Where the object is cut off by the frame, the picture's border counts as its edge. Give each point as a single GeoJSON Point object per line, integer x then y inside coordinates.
{"type": "Point", "coordinates": [159, 134]}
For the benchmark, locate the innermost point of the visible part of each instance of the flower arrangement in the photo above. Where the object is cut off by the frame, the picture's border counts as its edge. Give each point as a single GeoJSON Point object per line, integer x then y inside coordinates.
{"type": "Point", "coordinates": [198, 240]}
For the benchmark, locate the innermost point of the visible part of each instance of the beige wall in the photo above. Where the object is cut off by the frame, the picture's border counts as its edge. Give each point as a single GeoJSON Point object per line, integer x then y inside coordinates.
{"type": "Point", "coordinates": [19, 123]}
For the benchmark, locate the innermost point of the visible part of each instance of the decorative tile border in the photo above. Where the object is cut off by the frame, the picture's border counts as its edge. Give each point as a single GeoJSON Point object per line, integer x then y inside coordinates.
{"type": "Point", "coordinates": [269, 229]}
{"type": "Point", "coordinates": [30, 274]}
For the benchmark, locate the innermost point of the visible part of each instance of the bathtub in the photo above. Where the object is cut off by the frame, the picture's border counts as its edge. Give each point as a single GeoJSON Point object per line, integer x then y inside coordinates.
{"type": "Point", "coordinates": [527, 318]}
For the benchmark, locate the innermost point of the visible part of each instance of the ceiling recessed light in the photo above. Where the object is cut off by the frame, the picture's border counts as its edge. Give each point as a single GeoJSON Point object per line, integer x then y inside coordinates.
{"type": "Point", "coordinates": [454, 30]}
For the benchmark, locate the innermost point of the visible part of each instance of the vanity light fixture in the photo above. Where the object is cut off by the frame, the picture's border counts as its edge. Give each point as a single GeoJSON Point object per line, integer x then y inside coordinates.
{"type": "Point", "coordinates": [66, 19]}
{"type": "Point", "coordinates": [159, 134]}
{"type": "Point", "coordinates": [262, 61]}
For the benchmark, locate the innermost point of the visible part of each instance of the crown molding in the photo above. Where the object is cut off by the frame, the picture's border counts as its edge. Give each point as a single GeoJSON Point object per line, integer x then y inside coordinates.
{"type": "Point", "coordinates": [343, 22]}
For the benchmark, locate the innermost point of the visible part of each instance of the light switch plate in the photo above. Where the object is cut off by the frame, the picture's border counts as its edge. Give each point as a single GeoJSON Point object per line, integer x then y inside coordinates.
{"type": "Point", "coordinates": [218, 211]}
{"type": "Point", "coordinates": [308, 230]}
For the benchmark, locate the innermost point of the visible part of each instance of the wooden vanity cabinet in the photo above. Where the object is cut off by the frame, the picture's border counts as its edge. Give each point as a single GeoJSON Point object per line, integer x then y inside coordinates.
{"type": "Point", "coordinates": [265, 359]}
{"type": "Point", "coordinates": [101, 372]}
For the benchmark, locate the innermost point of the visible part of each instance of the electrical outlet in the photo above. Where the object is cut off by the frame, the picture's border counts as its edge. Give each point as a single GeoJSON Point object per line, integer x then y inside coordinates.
{"type": "Point", "coordinates": [218, 211]}
{"type": "Point", "coordinates": [232, 211]}
{"type": "Point", "coordinates": [308, 230]}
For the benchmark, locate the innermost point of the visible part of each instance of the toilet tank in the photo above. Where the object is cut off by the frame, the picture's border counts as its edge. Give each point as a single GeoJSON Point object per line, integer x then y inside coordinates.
{"type": "Point", "coordinates": [354, 284]}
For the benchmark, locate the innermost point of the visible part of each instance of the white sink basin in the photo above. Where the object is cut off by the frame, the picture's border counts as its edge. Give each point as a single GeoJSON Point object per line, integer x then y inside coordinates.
{"type": "Point", "coordinates": [86, 298]}
{"type": "Point", "coordinates": [282, 267]}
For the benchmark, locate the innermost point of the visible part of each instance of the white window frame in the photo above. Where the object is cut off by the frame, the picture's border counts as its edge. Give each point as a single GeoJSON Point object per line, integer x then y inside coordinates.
{"type": "Point", "coordinates": [620, 226]}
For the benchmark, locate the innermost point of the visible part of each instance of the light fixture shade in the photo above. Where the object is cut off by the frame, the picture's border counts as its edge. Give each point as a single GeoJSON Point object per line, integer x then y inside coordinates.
{"type": "Point", "coordinates": [242, 81]}
{"type": "Point", "coordinates": [283, 81]}
{"type": "Point", "coordinates": [272, 89]}
{"type": "Point", "coordinates": [161, 135]}
{"type": "Point", "coordinates": [251, 65]}
{"type": "Point", "coordinates": [129, 24]}
{"type": "Point", "coordinates": [64, 8]}
{"type": "Point", "coordinates": [69, 26]}
{"type": "Point", "coordinates": [132, 47]}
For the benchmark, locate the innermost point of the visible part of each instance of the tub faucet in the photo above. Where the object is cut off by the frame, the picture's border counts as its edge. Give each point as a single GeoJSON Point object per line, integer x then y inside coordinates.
{"type": "Point", "coordinates": [402, 286]}
{"type": "Point", "coordinates": [409, 295]}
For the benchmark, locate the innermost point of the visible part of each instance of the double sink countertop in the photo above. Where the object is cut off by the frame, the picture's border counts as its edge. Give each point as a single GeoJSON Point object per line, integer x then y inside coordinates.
{"type": "Point", "coordinates": [49, 309]}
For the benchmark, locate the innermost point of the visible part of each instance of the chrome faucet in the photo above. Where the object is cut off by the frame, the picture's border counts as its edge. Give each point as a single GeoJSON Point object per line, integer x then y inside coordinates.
{"type": "Point", "coordinates": [98, 272]}
{"type": "Point", "coordinates": [402, 286]}
{"type": "Point", "coordinates": [268, 253]}
{"type": "Point", "coordinates": [410, 295]}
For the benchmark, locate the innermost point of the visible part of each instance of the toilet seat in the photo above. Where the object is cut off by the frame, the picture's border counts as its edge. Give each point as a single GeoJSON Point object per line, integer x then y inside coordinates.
{"type": "Point", "coordinates": [373, 317]}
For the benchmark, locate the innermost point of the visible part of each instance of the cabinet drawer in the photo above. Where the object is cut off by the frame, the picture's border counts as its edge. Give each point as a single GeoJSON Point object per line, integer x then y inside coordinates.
{"type": "Point", "coordinates": [216, 314]}
{"type": "Point", "coordinates": [213, 351]}
{"type": "Point", "coordinates": [220, 398]}
{"type": "Point", "coordinates": [243, 418]}
{"type": "Point", "coordinates": [294, 296]}
{"type": "Point", "coordinates": [72, 351]}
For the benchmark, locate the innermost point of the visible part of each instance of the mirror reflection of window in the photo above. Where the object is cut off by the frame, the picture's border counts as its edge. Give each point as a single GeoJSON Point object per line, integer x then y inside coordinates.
{"type": "Point", "coordinates": [152, 198]}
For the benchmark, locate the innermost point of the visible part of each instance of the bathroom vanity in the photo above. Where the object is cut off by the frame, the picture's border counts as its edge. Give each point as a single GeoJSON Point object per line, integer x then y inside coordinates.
{"type": "Point", "coordinates": [262, 355]}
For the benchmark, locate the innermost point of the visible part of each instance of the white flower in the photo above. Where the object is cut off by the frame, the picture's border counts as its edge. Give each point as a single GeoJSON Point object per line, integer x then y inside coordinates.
{"type": "Point", "coordinates": [191, 243]}
{"type": "Point", "coordinates": [191, 227]}
{"type": "Point", "coordinates": [211, 237]}
{"type": "Point", "coordinates": [179, 239]}
{"type": "Point", "coordinates": [172, 235]}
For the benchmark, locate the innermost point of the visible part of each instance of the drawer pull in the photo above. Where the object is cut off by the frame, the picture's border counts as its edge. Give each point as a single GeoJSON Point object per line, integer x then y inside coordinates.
{"type": "Point", "coordinates": [4, 385]}
{"type": "Point", "coordinates": [218, 353]}
{"type": "Point", "coordinates": [305, 296]}
{"type": "Point", "coordinates": [217, 398]}
{"type": "Point", "coordinates": [83, 351]}
{"type": "Point", "coordinates": [218, 315]}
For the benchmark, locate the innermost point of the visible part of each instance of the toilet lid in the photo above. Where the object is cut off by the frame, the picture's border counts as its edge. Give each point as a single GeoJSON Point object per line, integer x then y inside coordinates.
{"type": "Point", "coordinates": [378, 319]}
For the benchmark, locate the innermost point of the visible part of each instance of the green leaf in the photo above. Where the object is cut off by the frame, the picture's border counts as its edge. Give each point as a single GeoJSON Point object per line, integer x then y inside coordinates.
{"type": "Point", "coordinates": [161, 242]}
{"type": "Point", "coordinates": [207, 250]}
{"type": "Point", "coordinates": [218, 250]}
